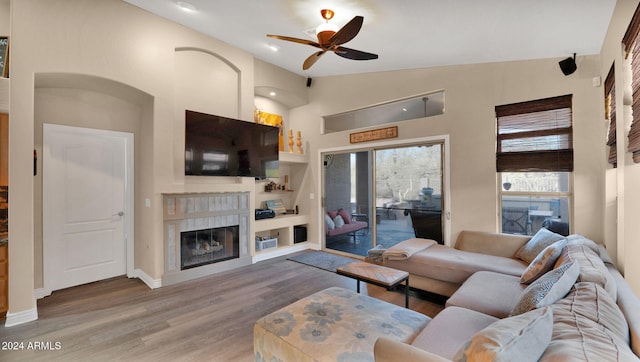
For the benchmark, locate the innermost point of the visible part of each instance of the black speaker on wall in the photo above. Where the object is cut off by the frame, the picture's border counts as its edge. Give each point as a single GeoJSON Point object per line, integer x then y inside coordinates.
{"type": "Point", "coordinates": [568, 66]}
{"type": "Point", "coordinates": [309, 80]}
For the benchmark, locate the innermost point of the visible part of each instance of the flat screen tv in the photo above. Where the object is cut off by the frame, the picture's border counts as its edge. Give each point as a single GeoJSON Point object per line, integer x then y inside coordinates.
{"type": "Point", "coordinates": [221, 146]}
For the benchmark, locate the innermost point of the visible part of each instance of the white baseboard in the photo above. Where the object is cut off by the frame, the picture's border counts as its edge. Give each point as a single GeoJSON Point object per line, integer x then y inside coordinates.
{"type": "Point", "coordinates": [41, 293]}
{"type": "Point", "coordinates": [269, 254]}
{"type": "Point", "coordinates": [25, 316]}
{"type": "Point", "coordinates": [149, 281]}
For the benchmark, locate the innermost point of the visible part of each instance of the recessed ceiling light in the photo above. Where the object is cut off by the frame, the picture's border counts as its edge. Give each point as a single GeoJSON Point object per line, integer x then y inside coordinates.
{"type": "Point", "coordinates": [273, 47]}
{"type": "Point", "coordinates": [272, 93]}
{"type": "Point", "coordinates": [404, 109]}
{"type": "Point", "coordinates": [186, 6]}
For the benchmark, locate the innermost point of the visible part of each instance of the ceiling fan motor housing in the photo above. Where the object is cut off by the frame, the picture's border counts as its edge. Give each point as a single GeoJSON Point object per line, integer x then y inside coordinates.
{"type": "Point", "coordinates": [324, 36]}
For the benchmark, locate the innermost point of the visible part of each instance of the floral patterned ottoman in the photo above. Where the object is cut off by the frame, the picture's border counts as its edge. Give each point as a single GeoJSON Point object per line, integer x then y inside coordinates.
{"type": "Point", "coordinates": [334, 324]}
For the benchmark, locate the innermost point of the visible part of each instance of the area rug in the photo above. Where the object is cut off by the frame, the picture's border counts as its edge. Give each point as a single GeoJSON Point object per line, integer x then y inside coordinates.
{"type": "Point", "coordinates": [322, 260]}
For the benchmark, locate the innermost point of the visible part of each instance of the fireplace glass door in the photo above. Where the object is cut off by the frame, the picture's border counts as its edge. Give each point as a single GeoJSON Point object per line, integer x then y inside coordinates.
{"type": "Point", "coordinates": [200, 247]}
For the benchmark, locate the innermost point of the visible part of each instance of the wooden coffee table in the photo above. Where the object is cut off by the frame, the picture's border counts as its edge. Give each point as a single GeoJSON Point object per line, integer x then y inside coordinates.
{"type": "Point", "coordinates": [379, 275]}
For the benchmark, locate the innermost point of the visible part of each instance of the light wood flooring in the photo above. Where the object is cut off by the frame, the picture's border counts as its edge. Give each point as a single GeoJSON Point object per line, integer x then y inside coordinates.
{"type": "Point", "coordinates": [208, 319]}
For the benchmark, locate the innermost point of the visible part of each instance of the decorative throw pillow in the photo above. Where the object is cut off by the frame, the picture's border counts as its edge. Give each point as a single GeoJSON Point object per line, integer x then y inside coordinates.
{"type": "Point", "coordinates": [543, 262]}
{"type": "Point", "coordinates": [538, 242]}
{"type": "Point", "coordinates": [332, 214]}
{"type": "Point", "coordinates": [521, 338]}
{"type": "Point", "coordinates": [330, 224]}
{"type": "Point", "coordinates": [345, 216]}
{"type": "Point", "coordinates": [339, 221]}
{"type": "Point", "coordinates": [548, 289]}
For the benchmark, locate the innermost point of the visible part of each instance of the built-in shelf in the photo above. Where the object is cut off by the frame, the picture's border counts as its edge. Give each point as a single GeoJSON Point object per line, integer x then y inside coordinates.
{"type": "Point", "coordinates": [283, 227]}
{"type": "Point", "coordinates": [281, 221]}
{"type": "Point", "coordinates": [288, 158]}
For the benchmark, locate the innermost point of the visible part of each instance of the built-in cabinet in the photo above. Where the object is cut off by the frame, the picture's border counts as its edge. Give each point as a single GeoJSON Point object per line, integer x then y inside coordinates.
{"type": "Point", "coordinates": [284, 228]}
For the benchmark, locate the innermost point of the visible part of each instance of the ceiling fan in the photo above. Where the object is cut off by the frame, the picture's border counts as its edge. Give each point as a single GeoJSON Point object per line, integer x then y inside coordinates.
{"type": "Point", "coordinates": [330, 38]}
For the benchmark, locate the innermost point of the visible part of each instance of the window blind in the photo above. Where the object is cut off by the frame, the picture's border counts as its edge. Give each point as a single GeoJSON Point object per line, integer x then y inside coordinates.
{"type": "Point", "coordinates": [610, 114]}
{"type": "Point", "coordinates": [535, 136]}
{"type": "Point", "coordinates": [632, 48]}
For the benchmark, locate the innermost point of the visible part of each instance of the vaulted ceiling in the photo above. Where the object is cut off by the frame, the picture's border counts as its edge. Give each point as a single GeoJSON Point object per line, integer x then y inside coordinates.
{"type": "Point", "coordinates": [404, 33]}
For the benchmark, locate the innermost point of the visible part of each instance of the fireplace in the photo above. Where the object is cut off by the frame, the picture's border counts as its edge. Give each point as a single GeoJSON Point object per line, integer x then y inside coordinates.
{"type": "Point", "coordinates": [205, 233]}
{"type": "Point", "coordinates": [207, 246]}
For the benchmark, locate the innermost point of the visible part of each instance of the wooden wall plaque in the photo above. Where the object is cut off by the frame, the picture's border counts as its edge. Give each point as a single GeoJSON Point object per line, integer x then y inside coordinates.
{"type": "Point", "coordinates": [373, 135]}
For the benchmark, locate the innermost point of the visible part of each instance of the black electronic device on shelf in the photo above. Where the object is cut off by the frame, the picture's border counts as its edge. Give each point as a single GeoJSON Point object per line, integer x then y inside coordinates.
{"type": "Point", "coordinates": [264, 214]}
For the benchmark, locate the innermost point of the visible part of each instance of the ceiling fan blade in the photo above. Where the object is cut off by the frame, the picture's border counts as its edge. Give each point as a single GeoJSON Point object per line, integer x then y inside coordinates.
{"type": "Point", "coordinates": [295, 40]}
{"type": "Point", "coordinates": [312, 59]}
{"type": "Point", "coordinates": [347, 32]}
{"type": "Point", "coordinates": [354, 54]}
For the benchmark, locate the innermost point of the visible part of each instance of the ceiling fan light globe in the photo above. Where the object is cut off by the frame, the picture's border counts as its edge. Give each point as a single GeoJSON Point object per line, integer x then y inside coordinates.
{"type": "Point", "coordinates": [327, 14]}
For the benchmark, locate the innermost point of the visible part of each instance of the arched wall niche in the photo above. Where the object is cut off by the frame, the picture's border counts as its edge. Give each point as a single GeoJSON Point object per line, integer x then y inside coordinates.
{"type": "Point", "coordinates": [207, 82]}
{"type": "Point", "coordinates": [89, 101]}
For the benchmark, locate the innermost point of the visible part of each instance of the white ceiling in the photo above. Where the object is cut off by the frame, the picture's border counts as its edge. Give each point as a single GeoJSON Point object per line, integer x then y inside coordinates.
{"type": "Point", "coordinates": [404, 33]}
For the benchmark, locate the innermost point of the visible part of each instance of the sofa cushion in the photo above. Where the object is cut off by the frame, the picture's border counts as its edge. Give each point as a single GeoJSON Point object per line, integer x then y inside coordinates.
{"type": "Point", "coordinates": [538, 242]}
{"type": "Point", "coordinates": [345, 216]}
{"type": "Point", "coordinates": [388, 350]}
{"type": "Point", "coordinates": [490, 293]}
{"type": "Point", "coordinates": [591, 301]}
{"type": "Point", "coordinates": [630, 306]}
{"type": "Point", "coordinates": [582, 240]}
{"type": "Point", "coordinates": [348, 228]}
{"type": "Point", "coordinates": [330, 224]}
{"type": "Point", "coordinates": [548, 289]}
{"type": "Point", "coordinates": [543, 262]}
{"type": "Point", "coordinates": [588, 326]}
{"type": "Point", "coordinates": [592, 268]}
{"type": "Point", "coordinates": [455, 266]}
{"type": "Point", "coordinates": [450, 330]}
{"type": "Point", "coordinates": [498, 244]}
{"type": "Point", "coordinates": [339, 221]}
{"type": "Point", "coordinates": [520, 338]}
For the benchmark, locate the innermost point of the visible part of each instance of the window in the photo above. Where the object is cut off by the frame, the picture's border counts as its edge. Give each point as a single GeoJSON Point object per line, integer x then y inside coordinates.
{"type": "Point", "coordinates": [534, 160]}
{"type": "Point", "coordinates": [632, 48]}
{"type": "Point", "coordinates": [419, 106]}
{"type": "Point", "coordinates": [610, 115]}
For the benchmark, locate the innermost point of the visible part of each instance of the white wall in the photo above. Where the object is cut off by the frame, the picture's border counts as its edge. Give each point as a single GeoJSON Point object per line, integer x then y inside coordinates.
{"type": "Point", "coordinates": [622, 191]}
{"type": "Point", "coordinates": [471, 93]}
{"type": "Point", "coordinates": [118, 42]}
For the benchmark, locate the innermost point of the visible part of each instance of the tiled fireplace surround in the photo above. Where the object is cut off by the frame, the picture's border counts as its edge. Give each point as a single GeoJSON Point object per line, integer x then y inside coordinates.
{"type": "Point", "coordinates": [185, 212]}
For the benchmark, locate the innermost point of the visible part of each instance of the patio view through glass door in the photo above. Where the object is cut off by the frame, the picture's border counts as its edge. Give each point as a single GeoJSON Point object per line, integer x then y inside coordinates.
{"type": "Point", "coordinates": [408, 194]}
{"type": "Point", "coordinates": [387, 195]}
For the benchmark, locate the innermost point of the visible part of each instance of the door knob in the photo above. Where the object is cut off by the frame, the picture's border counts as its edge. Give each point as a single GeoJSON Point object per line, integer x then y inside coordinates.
{"type": "Point", "coordinates": [121, 213]}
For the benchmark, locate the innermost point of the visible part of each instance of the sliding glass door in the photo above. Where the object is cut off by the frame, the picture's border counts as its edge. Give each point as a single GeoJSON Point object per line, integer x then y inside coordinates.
{"type": "Point", "coordinates": [347, 201]}
{"type": "Point", "coordinates": [408, 194]}
{"type": "Point", "coordinates": [382, 196]}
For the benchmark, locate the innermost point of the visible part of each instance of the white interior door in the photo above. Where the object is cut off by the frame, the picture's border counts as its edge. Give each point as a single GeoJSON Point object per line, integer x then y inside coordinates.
{"type": "Point", "coordinates": [84, 205]}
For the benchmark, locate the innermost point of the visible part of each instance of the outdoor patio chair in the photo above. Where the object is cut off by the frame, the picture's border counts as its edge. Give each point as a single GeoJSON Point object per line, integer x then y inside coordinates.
{"type": "Point", "coordinates": [515, 220]}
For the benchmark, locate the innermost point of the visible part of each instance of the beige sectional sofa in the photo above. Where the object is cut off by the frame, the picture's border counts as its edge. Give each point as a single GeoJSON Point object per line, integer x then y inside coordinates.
{"type": "Point", "coordinates": [587, 313]}
{"type": "Point", "coordinates": [441, 269]}
{"type": "Point", "coordinates": [546, 298]}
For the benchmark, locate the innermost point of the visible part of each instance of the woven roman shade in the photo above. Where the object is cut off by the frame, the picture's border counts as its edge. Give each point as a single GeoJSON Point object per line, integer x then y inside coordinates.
{"type": "Point", "coordinates": [535, 136]}
{"type": "Point", "coordinates": [632, 48]}
{"type": "Point", "coordinates": [610, 114]}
